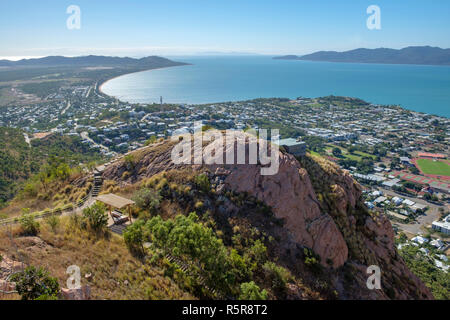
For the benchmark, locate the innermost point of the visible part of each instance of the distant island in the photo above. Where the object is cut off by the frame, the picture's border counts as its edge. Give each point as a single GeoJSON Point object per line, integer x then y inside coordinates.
{"type": "Point", "coordinates": [425, 55]}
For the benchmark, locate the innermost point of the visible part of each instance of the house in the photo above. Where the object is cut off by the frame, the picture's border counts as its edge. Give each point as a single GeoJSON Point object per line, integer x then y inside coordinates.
{"type": "Point", "coordinates": [380, 199]}
{"type": "Point", "coordinates": [420, 240]}
{"type": "Point", "coordinates": [397, 201]}
{"type": "Point", "coordinates": [376, 193]}
{"type": "Point", "coordinates": [441, 265]}
{"type": "Point", "coordinates": [438, 244]}
{"type": "Point", "coordinates": [441, 226]}
{"type": "Point", "coordinates": [390, 183]}
{"type": "Point", "coordinates": [408, 202]}
{"type": "Point", "coordinates": [369, 205]}
{"type": "Point", "coordinates": [418, 206]}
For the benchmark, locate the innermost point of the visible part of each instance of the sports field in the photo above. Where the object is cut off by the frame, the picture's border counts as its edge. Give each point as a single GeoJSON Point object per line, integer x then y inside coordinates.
{"type": "Point", "coordinates": [438, 168]}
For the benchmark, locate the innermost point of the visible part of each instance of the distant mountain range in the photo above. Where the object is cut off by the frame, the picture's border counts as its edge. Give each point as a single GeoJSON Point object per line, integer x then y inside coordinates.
{"type": "Point", "coordinates": [411, 55]}
{"type": "Point", "coordinates": [91, 61]}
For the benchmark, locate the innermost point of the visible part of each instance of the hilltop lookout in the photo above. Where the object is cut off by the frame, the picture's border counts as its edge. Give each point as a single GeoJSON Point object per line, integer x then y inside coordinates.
{"type": "Point", "coordinates": [117, 202]}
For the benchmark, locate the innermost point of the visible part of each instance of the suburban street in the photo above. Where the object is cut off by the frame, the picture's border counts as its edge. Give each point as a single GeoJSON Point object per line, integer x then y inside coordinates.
{"type": "Point", "coordinates": [423, 221]}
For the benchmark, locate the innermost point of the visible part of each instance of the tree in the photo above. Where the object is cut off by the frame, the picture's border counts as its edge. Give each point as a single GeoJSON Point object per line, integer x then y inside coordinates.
{"type": "Point", "coordinates": [134, 237]}
{"type": "Point", "coordinates": [185, 237]}
{"type": "Point", "coordinates": [202, 182]}
{"type": "Point", "coordinates": [337, 152]}
{"type": "Point", "coordinates": [35, 283]}
{"type": "Point", "coordinates": [351, 149]}
{"type": "Point", "coordinates": [147, 199]}
{"type": "Point", "coordinates": [28, 223]}
{"type": "Point", "coordinates": [96, 216]}
{"type": "Point", "coordinates": [251, 291]}
{"type": "Point", "coordinates": [53, 222]}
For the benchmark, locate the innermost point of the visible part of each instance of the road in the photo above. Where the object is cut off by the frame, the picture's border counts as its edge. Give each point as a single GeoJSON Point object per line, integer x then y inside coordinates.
{"type": "Point", "coordinates": [27, 138]}
{"type": "Point", "coordinates": [66, 108]}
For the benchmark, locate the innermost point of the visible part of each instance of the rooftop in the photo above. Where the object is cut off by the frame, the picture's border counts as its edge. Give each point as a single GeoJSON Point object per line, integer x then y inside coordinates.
{"type": "Point", "coordinates": [115, 200]}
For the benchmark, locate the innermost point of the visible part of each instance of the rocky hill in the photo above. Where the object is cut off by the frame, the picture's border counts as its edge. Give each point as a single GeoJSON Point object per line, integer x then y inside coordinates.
{"type": "Point", "coordinates": [92, 61]}
{"type": "Point", "coordinates": [425, 55]}
{"type": "Point", "coordinates": [317, 212]}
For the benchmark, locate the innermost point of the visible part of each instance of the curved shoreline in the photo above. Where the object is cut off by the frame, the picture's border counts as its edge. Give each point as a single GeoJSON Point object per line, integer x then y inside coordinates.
{"type": "Point", "coordinates": [100, 86]}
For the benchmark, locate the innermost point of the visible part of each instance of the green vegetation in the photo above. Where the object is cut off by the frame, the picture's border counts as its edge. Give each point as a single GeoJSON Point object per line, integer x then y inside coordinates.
{"type": "Point", "coordinates": [53, 222]}
{"type": "Point", "coordinates": [251, 291]}
{"type": "Point", "coordinates": [202, 182]}
{"type": "Point", "coordinates": [42, 89]}
{"type": "Point", "coordinates": [96, 217]}
{"type": "Point", "coordinates": [186, 238]}
{"type": "Point", "coordinates": [147, 199]}
{"type": "Point", "coordinates": [15, 164]}
{"type": "Point", "coordinates": [421, 265]}
{"type": "Point", "coordinates": [40, 163]}
{"type": "Point", "coordinates": [28, 223]}
{"type": "Point", "coordinates": [36, 284]}
{"type": "Point", "coordinates": [429, 166]}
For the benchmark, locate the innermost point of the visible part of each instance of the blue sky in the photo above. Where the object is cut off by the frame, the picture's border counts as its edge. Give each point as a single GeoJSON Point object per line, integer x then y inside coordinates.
{"type": "Point", "coordinates": [183, 27]}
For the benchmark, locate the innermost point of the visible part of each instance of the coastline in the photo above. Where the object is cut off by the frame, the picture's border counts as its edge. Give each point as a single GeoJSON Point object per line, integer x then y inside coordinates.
{"type": "Point", "coordinates": [216, 99]}
{"type": "Point", "coordinates": [100, 85]}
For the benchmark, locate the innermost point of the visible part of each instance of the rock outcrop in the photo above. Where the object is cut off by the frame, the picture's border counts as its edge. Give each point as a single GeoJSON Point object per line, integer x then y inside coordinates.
{"type": "Point", "coordinates": [322, 209]}
{"type": "Point", "coordinates": [7, 268]}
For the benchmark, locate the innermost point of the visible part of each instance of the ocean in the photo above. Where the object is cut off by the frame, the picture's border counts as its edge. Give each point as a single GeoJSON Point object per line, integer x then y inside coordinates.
{"type": "Point", "coordinates": [213, 79]}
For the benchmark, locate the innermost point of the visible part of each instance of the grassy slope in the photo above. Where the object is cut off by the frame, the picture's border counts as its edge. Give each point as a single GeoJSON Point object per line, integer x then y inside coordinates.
{"type": "Point", "coordinates": [116, 274]}
{"type": "Point", "coordinates": [19, 161]}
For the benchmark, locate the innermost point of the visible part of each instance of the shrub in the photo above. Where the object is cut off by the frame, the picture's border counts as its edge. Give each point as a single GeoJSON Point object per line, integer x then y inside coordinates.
{"type": "Point", "coordinates": [198, 205]}
{"type": "Point", "coordinates": [186, 237]}
{"type": "Point", "coordinates": [129, 162]}
{"type": "Point", "coordinates": [251, 291]}
{"type": "Point", "coordinates": [150, 141]}
{"type": "Point", "coordinates": [278, 276]}
{"type": "Point", "coordinates": [30, 189]}
{"type": "Point", "coordinates": [134, 237]}
{"type": "Point", "coordinates": [147, 199]}
{"type": "Point", "coordinates": [312, 260]}
{"type": "Point", "coordinates": [28, 223]}
{"type": "Point", "coordinates": [36, 283]}
{"type": "Point", "coordinates": [52, 221]}
{"type": "Point", "coordinates": [257, 252]}
{"type": "Point", "coordinates": [96, 216]}
{"type": "Point", "coordinates": [202, 182]}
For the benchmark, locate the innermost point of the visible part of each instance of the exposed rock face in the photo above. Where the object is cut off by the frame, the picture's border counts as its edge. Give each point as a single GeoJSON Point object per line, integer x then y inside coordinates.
{"type": "Point", "coordinates": [292, 197]}
{"type": "Point", "coordinates": [7, 268]}
{"type": "Point", "coordinates": [7, 286]}
{"type": "Point", "coordinates": [322, 209]}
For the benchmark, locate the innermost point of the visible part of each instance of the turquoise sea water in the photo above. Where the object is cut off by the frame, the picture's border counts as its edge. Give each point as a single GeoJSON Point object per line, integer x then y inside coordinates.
{"type": "Point", "coordinates": [232, 78]}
